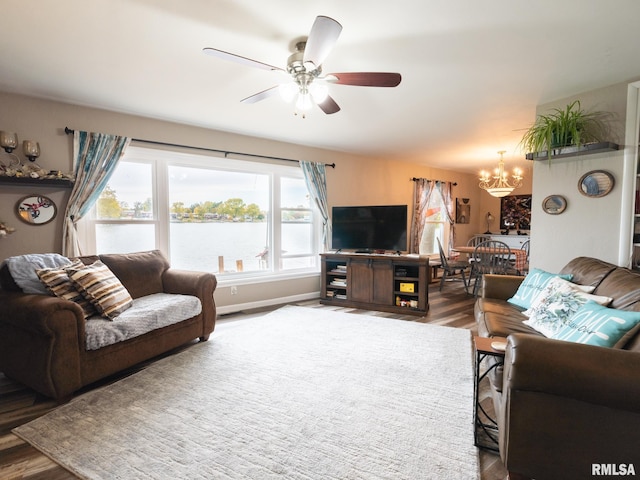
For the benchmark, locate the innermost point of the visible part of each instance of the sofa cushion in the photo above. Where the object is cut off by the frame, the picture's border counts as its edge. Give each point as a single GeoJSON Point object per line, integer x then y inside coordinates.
{"type": "Point", "coordinates": [497, 318]}
{"type": "Point", "coordinates": [139, 272]}
{"type": "Point", "coordinates": [559, 300]}
{"type": "Point", "coordinates": [533, 284]}
{"type": "Point", "coordinates": [23, 270]}
{"type": "Point", "coordinates": [595, 324]}
{"type": "Point", "coordinates": [624, 286]}
{"type": "Point", "coordinates": [101, 287]}
{"type": "Point", "coordinates": [588, 271]}
{"type": "Point", "coordinates": [58, 282]}
{"type": "Point", "coordinates": [146, 314]}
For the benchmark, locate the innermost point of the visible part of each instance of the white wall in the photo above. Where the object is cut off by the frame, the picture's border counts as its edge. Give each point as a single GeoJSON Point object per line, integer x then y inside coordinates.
{"type": "Point", "coordinates": [589, 226]}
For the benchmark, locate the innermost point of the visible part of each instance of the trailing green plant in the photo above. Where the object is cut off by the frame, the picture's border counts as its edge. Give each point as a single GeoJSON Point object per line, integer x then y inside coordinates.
{"type": "Point", "coordinates": [571, 126]}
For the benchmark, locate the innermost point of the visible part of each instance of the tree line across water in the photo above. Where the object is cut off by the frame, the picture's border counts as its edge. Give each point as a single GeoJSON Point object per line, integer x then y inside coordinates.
{"type": "Point", "coordinates": [235, 209]}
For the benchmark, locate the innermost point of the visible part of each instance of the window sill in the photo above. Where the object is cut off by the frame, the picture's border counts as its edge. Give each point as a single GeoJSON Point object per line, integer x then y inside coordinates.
{"type": "Point", "coordinates": [249, 279]}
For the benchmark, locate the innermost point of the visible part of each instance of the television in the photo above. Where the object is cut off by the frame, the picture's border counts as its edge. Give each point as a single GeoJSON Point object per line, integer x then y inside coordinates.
{"type": "Point", "coordinates": [367, 229]}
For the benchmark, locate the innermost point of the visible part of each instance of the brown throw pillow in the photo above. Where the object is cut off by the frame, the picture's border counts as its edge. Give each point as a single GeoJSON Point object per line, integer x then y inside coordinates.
{"type": "Point", "coordinates": [58, 282]}
{"type": "Point", "coordinates": [102, 288]}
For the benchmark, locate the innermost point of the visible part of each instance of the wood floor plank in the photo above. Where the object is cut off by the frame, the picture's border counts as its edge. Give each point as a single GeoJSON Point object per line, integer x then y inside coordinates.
{"type": "Point", "coordinates": [18, 405]}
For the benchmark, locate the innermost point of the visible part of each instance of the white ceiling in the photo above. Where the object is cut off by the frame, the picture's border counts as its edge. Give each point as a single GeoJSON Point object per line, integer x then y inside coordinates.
{"type": "Point", "coordinates": [473, 71]}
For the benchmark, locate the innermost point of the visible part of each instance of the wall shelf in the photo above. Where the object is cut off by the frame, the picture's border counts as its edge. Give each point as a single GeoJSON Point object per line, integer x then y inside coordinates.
{"type": "Point", "coordinates": [36, 182]}
{"type": "Point", "coordinates": [588, 149]}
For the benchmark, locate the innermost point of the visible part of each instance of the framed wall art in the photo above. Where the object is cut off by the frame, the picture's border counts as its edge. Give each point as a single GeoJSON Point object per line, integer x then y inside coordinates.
{"type": "Point", "coordinates": [463, 210]}
{"type": "Point", "coordinates": [554, 204]}
{"type": "Point", "coordinates": [596, 183]}
{"type": "Point", "coordinates": [515, 212]}
{"type": "Point", "coordinates": [36, 209]}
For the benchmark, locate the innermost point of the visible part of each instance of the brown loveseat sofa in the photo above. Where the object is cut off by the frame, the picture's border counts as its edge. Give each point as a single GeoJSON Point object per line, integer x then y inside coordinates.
{"type": "Point", "coordinates": [564, 408]}
{"type": "Point", "coordinates": [43, 341]}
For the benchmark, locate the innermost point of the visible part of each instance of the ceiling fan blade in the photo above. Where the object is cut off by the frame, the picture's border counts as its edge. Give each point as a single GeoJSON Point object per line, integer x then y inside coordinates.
{"type": "Point", "coordinates": [366, 79]}
{"type": "Point", "coordinates": [329, 106]}
{"type": "Point", "coordinates": [260, 95]}
{"type": "Point", "coordinates": [323, 36]}
{"type": "Point", "coordinates": [214, 52]}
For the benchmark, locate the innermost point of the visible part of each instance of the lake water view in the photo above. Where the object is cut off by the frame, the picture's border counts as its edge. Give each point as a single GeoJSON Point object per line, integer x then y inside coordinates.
{"type": "Point", "coordinates": [197, 246]}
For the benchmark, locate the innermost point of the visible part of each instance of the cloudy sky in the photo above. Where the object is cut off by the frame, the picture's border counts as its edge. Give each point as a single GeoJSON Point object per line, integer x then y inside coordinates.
{"type": "Point", "coordinates": [132, 183]}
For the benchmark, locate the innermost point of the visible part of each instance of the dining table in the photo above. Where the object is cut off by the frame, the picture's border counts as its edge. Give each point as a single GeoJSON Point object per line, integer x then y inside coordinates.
{"type": "Point", "coordinates": [520, 256]}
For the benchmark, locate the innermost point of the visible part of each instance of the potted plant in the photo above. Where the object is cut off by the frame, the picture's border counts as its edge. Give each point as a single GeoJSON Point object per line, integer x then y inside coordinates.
{"type": "Point", "coordinates": [571, 127]}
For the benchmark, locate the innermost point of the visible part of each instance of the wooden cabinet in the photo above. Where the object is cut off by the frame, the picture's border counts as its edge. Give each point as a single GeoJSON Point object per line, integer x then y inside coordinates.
{"type": "Point", "coordinates": [390, 283]}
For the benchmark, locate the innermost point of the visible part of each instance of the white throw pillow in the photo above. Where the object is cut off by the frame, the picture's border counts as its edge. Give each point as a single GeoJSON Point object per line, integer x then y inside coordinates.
{"type": "Point", "coordinates": [559, 300]}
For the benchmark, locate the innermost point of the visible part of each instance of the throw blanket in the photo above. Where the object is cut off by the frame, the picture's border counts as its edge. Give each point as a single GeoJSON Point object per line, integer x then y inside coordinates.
{"type": "Point", "coordinates": [23, 270]}
{"type": "Point", "coordinates": [147, 313]}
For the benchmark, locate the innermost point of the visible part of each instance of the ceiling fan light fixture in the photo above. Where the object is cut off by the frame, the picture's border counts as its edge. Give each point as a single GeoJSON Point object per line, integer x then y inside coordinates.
{"type": "Point", "coordinates": [288, 91]}
{"type": "Point", "coordinates": [319, 92]}
{"type": "Point", "coordinates": [304, 66]}
{"type": "Point", "coordinates": [304, 102]}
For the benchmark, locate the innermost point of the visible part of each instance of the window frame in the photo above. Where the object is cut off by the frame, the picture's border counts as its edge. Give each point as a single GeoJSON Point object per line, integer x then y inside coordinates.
{"type": "Point", "coordinates": [161, 160]}
{"type": "Point", "coordinates": [446, 226]}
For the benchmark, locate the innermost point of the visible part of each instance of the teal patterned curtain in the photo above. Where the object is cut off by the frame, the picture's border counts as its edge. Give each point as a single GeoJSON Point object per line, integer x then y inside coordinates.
{"type": "Point", "coordinates": [95, 156]}
{"type": "Point", "coordinates": [316, 179]}
{"type": "Point", "coordinates": [423, 189]}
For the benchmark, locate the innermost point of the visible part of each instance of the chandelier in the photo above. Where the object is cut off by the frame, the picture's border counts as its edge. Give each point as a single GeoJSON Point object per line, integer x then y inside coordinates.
{"type": "Point", "coordinates": [498, 184]}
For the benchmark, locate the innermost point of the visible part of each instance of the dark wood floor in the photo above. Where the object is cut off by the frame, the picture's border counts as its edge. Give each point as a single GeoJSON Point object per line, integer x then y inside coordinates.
{"type": "Point", "coordinates": [18, 404]}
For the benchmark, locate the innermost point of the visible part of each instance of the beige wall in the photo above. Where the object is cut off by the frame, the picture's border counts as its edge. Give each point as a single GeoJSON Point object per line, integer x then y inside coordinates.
{"type": "Point", "coordinates": [355, 180]}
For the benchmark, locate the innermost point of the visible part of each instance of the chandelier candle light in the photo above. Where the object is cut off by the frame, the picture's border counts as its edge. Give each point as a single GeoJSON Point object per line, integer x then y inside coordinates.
{"type": "Point", "coordinates": [500, 186]}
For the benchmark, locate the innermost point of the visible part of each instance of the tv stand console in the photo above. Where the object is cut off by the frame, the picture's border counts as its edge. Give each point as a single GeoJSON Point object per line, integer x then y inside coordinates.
{"type": "Point", "coordinates": [389, 283]}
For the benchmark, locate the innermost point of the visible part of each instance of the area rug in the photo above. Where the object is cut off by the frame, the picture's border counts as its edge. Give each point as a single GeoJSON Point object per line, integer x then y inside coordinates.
{"type": "Point", "coordinates": [299, 393]}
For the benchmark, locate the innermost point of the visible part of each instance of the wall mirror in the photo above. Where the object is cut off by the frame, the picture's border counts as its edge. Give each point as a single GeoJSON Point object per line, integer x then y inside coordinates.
{"type": "Point", "coordinates": [554, 204]}
{"type": "Point", "coordinates": [36, 209]}
{"type": "Point", "coordinates": [596, 183]}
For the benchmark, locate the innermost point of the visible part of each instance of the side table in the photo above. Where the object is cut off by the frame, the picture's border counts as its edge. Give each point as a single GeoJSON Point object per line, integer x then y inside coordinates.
{"type": "Point", "coordinates": [485, 434]}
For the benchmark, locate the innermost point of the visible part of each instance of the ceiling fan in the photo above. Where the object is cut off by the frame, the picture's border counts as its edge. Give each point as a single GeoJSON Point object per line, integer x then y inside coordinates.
{"type": "Point", "coordinates": [305, 68]}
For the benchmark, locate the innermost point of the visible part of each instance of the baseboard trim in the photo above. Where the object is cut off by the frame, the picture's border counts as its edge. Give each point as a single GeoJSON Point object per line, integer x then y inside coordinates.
{"type": "Point", "coordinates": [238, 307]}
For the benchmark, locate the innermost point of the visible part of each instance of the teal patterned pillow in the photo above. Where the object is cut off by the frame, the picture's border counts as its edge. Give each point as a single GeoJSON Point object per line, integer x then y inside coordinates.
{"type": "Point", "coordinates": [532, 285]}
{"type": "Point", "coordinates": [595, 324]}
{"type": "Point", "coordinates": [556, 304]}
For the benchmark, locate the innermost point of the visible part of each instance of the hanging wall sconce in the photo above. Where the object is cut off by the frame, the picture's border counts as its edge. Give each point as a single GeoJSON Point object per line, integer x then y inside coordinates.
{"type": "Point", "coordinates": [31, 150]}
{"type": "Point", "coordinates": [15, 167]}
{"type": "Point", "coordinates": [8, 141]}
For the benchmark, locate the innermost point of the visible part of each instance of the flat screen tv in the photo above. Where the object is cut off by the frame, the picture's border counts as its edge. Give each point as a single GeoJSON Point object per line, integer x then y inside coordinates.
{"type": "Point", "coordinates": [369, 228]}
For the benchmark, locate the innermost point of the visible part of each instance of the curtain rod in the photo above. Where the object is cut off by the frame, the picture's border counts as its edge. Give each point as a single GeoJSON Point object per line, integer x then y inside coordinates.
{"type": "Point", "coordinates": [415, 179]}
{"type": "Point", "coordinates": [69, 131]}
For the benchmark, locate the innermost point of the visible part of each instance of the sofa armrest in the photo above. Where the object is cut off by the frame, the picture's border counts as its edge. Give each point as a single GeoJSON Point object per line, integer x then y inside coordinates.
{"type": "Point", "coordinates": [598, 375]}
{"type": "Point", "coordinates": [188, 282]}
{"type": "Point", "coordinates": [500, 287]}
{"type": "Point", "coordinates": [199, 284]}
{"type": "Point", "coordinates": [573, 405]}
{"type": "Point", "coordinates": [41, 338]}
{"type": "Point", "coordinates": [36, 313]}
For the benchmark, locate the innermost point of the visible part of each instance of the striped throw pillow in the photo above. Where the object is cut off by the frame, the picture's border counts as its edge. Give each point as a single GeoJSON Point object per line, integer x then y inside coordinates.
{"type": "Point", "coordinates": [57, 282]}
{"type": "Point", "coordinates": [102, 288]}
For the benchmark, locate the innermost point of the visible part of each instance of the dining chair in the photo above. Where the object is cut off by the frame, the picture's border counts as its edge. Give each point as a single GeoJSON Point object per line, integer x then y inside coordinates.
{"type": "Point", "coordinates": [476, 239]}
{"type": "Point", "coordinates": [473, 241]}
{"type": "Point", "coordinates": [525, 247]}
{"type": "Point", "coordinates": [490, 256]}
{"type": "Point", "coordinates": [452, 268]}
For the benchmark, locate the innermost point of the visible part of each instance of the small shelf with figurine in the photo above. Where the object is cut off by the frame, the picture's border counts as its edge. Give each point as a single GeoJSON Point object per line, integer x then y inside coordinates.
{"type": "Point", "coordinates": [49, 181]}
{"type": "Point", "coordinates": [14, 172]}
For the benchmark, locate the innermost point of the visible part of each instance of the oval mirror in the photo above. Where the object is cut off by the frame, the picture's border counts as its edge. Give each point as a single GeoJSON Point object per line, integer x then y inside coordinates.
{"type": "Point", "coordinates": [36, 209]}
{"type": "Point", "coordinates": [554, 204]}
{"type": "Point", "coordinates": [596, 183]}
